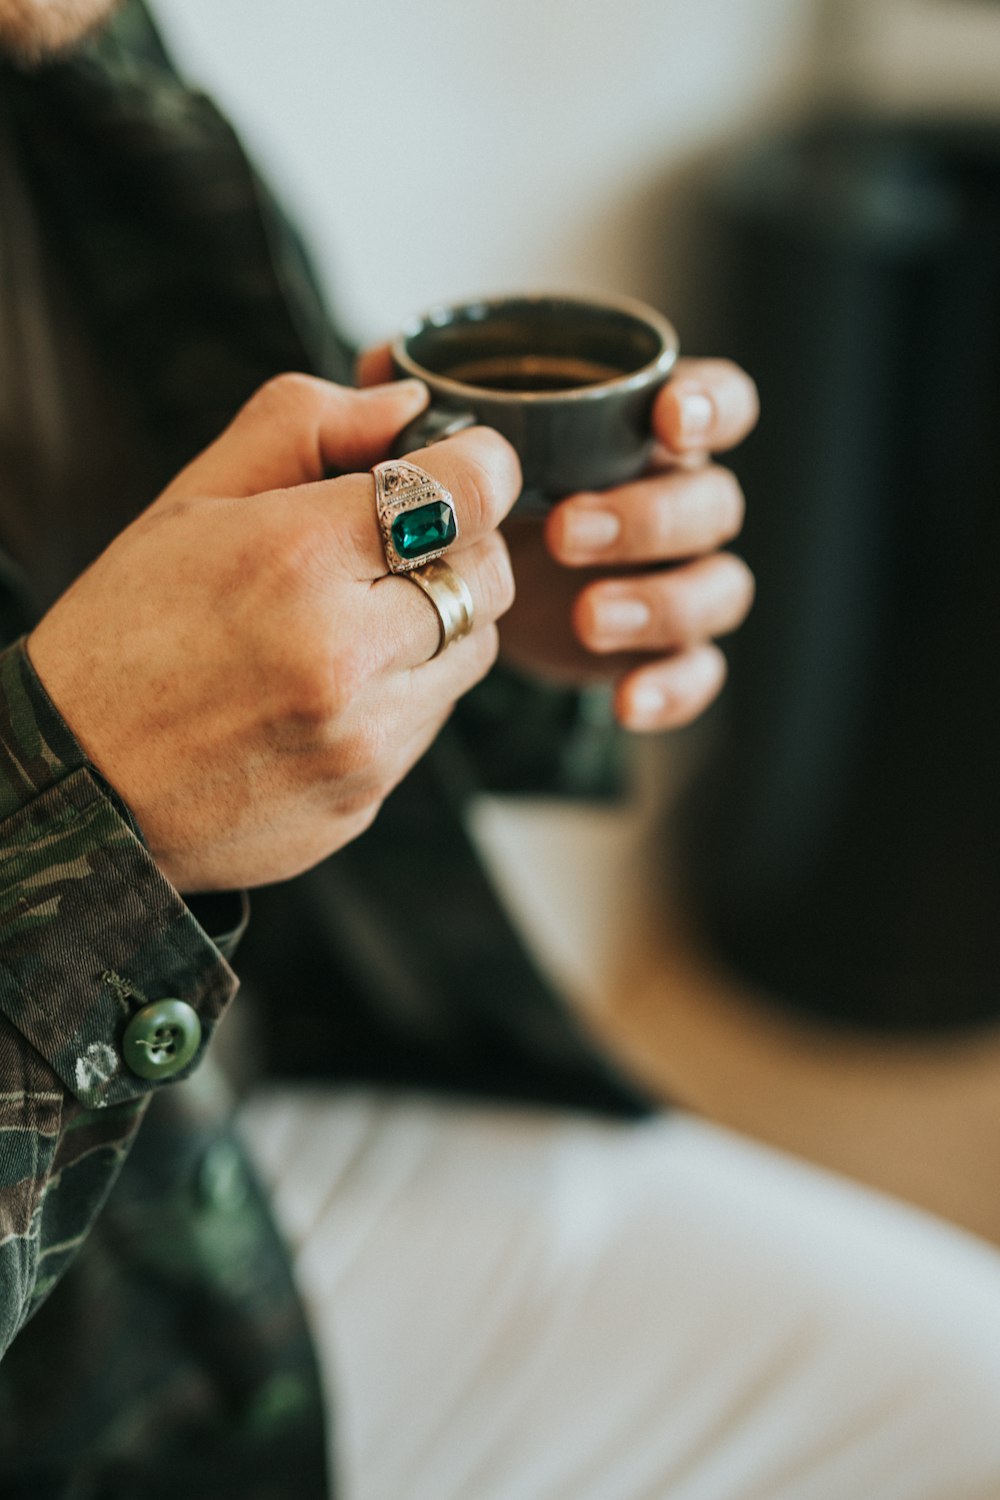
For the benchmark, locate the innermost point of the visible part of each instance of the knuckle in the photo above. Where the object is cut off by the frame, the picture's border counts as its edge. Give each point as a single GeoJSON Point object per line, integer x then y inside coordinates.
{"type": "Point", "coordinates": [680, 615]}
{"type": "Point", "coordinates": [289, 409]}
{"type": "Point", "coordinates": [363, 816]}
{"type": "Point", "coordinates": [317, 698]}
{"type": "Point", "coordinates": [475, 486]}
{"type": "Point", "coordinates": [291, 389]}
{"type": "Point", "coordinates": [731, 503]}
{"type": "Point", "coordinates": [370, 744]}
{"type": "Point", "coordinates": [322, 680]}
{"type": "Point", "coordinates": [496, 576]}
{"type": "Point", "coordinates": [360, 803]}
{"type": "Point", "coordinates": [489, 475]}
{"type": "Point", "coordinates": [356, 766]}
{"type": "Point", "coordinates": [474, 658]}
{"type": "Point", "coordinates": [658, 525]}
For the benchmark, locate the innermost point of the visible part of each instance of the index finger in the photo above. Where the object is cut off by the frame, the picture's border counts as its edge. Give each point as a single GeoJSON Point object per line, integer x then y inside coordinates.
{"type": "Point", "coordinates": [708, 405]}
{"type": "Point", "coordinates": [294, 429]}
{"type": "Point", "coordinates": [478, 468]}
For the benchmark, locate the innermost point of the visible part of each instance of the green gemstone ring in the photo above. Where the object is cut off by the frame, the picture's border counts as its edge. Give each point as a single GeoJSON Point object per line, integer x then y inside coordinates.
{"type": "Point", "coordinates": [416, 515]}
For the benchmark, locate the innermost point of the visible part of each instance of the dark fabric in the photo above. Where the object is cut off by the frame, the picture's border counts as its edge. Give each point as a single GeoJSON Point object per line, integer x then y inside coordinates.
{"type": "Point", "coordinates": [90, 931]}
{"type": "Point", "coordinates": [174, 1360]}
{"type": "Point", "coordinates": [194, 288]}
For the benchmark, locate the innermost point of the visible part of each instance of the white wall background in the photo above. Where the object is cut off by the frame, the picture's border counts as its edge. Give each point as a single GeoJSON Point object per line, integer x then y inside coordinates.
{"type": "Point", "coordinates": [436, 148]}
{"type": "Point", "coordinates": [433, 148]}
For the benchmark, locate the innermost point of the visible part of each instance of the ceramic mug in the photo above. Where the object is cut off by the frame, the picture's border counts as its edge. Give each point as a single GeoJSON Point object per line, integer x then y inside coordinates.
{"type": "Point", "coordinates": [569, 381]}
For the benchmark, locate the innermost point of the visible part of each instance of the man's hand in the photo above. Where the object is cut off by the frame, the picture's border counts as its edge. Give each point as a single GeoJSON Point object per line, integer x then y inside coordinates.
{"type": "Point", "coordinates": [239, 665]}
{"type": "Point", "coordinates": [628, 585]}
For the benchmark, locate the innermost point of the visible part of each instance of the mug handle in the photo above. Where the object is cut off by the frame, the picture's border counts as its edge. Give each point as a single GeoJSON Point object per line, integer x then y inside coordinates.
{"type": "Point", "coordinates": [440, 422]}
{"type": "Point", "coordinates": [432, 426]}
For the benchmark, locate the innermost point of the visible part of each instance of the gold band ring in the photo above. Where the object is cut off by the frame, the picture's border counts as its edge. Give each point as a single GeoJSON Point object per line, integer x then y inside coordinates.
{"type": "Point", "coordinates": [450, 596]}
{"type": "Point", "coordinates": [416, 515]}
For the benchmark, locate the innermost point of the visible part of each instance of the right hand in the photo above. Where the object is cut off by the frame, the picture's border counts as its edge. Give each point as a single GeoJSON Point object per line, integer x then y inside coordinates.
{"type": "Point", "coordinates": [238, 663]}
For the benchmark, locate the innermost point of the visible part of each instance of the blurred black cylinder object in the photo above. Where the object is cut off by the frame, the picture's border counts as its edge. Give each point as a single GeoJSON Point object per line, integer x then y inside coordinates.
{"type": "Point", "coordinates": [842, 847]}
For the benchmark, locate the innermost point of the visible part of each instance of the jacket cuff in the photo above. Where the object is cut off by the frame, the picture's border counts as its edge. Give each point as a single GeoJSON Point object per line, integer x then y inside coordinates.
{"type": "Point", "coordinates": [92, 934]}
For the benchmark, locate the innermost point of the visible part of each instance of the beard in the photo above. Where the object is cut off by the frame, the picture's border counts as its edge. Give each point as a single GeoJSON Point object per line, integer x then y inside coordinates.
{"type": "Point", "coordinates": [33, 30]}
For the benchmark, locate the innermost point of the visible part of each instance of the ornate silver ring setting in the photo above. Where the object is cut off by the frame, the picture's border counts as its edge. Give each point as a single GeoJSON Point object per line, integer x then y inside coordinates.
{"type": "Point", "coordinates": [416, 515]}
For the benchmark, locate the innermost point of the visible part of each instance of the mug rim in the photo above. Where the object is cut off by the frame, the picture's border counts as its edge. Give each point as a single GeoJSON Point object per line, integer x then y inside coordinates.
{"type": "Point", "coordinates": [444, 312]}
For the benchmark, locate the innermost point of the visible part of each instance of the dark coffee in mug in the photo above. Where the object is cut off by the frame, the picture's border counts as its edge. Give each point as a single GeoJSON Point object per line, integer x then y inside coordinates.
{"type": "Point", "coordinates": [569, 381]}
{"type": "Point", "coordinates": [531, 372]}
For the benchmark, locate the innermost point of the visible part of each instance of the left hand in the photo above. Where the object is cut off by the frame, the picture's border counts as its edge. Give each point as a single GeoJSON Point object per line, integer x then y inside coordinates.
{"type": "Point", "coordinates": [628, 585]}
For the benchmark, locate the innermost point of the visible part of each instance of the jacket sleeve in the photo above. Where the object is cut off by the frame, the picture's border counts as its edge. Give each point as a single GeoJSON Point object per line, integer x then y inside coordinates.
{"type": "Point", "coordinates": [92, 937]}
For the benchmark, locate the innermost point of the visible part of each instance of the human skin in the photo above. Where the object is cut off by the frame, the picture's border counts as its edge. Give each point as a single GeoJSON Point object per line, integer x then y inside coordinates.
{"type": "Point", "coordinates": [238, 663]}
{"type": "Point", "coordinates": [35, 29]}
{"type": "Point", "coordinates": [629, 586]}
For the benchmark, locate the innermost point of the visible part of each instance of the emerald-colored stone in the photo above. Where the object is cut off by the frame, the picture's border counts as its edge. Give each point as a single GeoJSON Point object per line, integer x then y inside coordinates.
{"type": "Point", "coordinates": [423, 529]}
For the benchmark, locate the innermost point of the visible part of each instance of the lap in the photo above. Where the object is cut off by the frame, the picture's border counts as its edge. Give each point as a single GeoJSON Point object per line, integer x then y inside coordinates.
{"type": "Point", "coordinates": [517, 1304]}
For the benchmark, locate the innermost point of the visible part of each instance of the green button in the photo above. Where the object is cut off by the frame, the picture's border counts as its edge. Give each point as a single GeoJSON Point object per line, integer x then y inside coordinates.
{"type": "Point", "coordinates": [162, 1038]}
{"type": "Point", "coordinates": [425, 528]}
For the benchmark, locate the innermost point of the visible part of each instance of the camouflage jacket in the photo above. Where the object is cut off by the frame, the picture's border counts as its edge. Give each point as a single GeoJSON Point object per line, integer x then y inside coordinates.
{"type": "Point", "coordinates": [154, 1342]}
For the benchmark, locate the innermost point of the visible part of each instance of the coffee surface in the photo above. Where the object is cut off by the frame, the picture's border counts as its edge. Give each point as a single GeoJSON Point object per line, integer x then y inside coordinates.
{"type": "Point", "coordinates": [531, 372]}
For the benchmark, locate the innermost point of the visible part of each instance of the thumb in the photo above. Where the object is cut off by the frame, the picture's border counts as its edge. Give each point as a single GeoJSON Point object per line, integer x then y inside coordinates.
{"type": "Point", "coordinates": [295, 430]}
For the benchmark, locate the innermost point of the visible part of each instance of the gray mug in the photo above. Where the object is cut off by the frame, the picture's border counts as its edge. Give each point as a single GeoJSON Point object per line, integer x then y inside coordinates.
{"type": "Point", "coordinates": [569, 381]}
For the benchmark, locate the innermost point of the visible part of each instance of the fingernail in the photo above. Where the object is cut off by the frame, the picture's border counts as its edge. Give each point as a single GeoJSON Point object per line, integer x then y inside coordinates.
{"type": "Point", "coordinates": [697, 410]}
{"type": "Point", "coordinates": [647, 703]}
{"type": "Point", "coordinates": [622, 616]}
{"type": "Point", "coordinates": [693, 679]}
{"type": "Point", "coordinates": [589, 530]}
